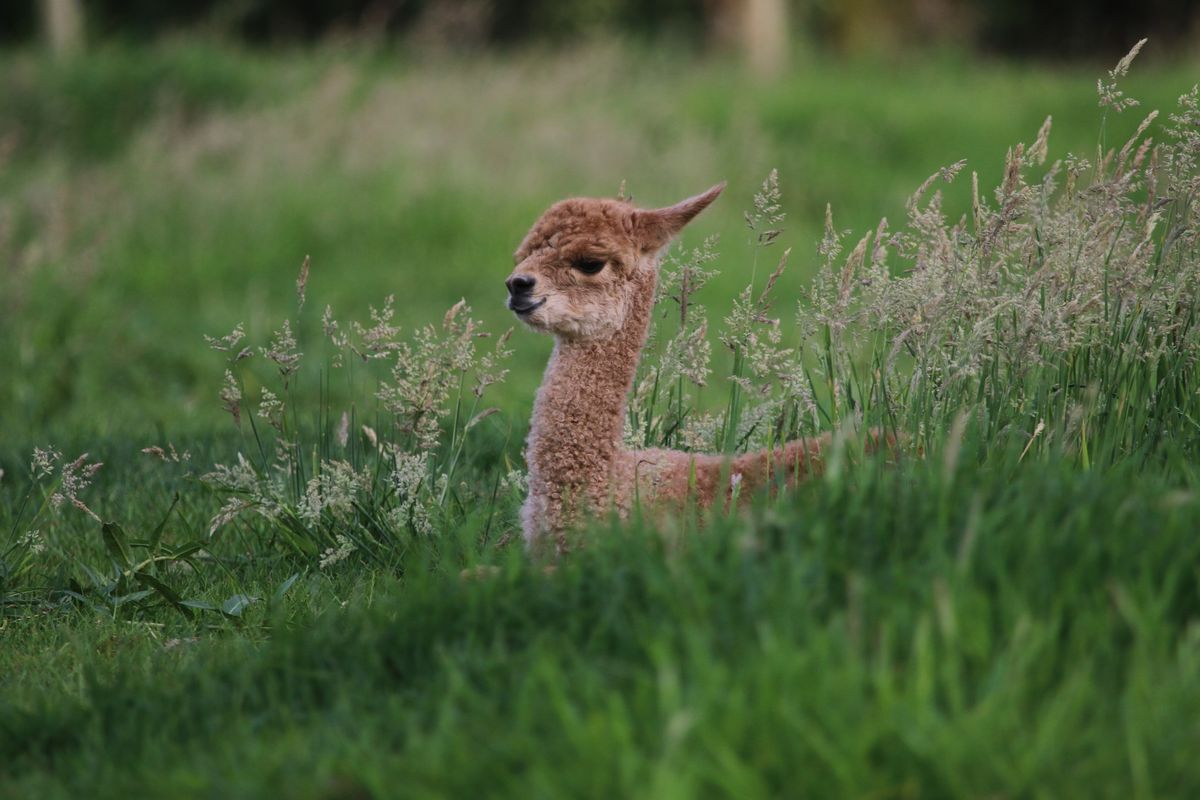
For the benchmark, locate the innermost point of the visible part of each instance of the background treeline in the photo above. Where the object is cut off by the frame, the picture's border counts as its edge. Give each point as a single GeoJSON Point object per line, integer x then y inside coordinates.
{"type": "Point", "coordinates": [1046, 28]}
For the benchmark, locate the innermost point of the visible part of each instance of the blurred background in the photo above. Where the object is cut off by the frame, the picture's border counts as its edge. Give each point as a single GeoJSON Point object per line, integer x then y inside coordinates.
{"type": "Point", "coordinates": [166, 167]}
{"type": "Point", "coordinates": [764, 29]}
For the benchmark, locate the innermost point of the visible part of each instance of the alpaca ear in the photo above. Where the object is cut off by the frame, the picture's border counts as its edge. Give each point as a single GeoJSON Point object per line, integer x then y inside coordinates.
{"type": "Point", "coordinates": [655, 228]}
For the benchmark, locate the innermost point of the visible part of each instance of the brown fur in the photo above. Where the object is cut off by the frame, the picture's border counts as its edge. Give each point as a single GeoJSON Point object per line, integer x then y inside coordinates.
{"type": "Point", "coordinates": [577, 464]}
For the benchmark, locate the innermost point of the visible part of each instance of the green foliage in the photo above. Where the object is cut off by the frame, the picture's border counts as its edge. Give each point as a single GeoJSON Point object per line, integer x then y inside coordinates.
{"type": "Point", "coordinates": [89, 106]}
{"type": "Point", "coordinates": [323, 597]}
{"type": "Point", "coordinates": [331, 160]}
{"type": "Point", "coordinates": [911, 631]}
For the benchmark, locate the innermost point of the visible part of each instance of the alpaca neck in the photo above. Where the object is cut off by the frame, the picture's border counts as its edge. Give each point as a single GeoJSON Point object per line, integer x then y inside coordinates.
{"type": "Point", "coordinates": [580, 408]}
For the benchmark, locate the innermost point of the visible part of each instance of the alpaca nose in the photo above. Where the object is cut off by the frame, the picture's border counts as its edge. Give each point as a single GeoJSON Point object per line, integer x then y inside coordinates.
{"type": "Point", "coordinates": [520, 284]}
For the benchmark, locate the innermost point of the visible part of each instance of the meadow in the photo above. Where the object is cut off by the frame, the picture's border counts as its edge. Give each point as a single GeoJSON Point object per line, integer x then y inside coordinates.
{"type": "Point", "coordinates": [282, 593]}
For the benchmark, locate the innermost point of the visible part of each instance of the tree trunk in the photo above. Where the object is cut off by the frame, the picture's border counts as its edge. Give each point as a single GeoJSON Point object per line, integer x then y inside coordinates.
{"type": "Point", "coordinates": [766, 36]}
{"type": "Point", "coordinates": [62, 24]}
{"type": "Point", "coordinates": [758, 30]}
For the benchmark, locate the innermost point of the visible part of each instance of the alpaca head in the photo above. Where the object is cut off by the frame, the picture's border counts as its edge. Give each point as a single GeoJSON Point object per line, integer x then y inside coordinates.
{"type": "Point", "coordinates": [586, 262]}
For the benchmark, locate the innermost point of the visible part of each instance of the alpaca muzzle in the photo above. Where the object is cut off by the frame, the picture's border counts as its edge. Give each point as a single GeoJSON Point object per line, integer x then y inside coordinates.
{"type": "Point", "coordinates": [520, 295]}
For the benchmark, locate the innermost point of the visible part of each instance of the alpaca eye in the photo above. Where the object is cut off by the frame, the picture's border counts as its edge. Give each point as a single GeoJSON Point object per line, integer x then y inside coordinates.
{"type": "Point", "coordinates": [588, 266]}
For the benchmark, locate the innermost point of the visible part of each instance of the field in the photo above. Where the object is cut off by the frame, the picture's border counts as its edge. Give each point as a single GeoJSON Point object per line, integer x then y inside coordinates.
{"type": "Point", "coordinates": [1012, 611]}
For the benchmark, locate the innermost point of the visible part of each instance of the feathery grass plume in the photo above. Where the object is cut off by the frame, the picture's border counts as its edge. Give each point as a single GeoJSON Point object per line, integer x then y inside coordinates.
{"type": "Point", "coordinates": [60, 484]}
{"type": "Point", "coordinates": [662, 398]}
{"type": "Point", "coordinates": [516, 482]}
{"type": "Point", "coordinates": [231, 397]}
{"type": "Point", "coordinates": [768, 210]}
{"type": "Point", "coordinates": [44, 462]}
{"type": "Point", "coordinates": [343, 430]}
{"type": "Point", "coordinates": [768, 386]}
{"type": "Point", "coordinates": [229, 341]}
{"type": "Point", "coordinates": [409, 481]}
{"type": "Point", "coordinates": [688, 352]}
{"type": "Point", "coordinates": [283, 351]}
{"type": "Point", "coordinates": [270, 408]}
{"type": "Point", "coordinates": [1110, 95]}
{"type": "Point", "coordinates": [425, 372]}
{"type": "Point", "coordinates": [170, 454]}
{"type": "Point", "coordinates": [302, 284]}
{"type": "Point", "coordinates": [684, 272]}
{"type": "Point", "coordinates": [427, 385]}
{"type": "Point", "coordinates": [342, 550]}
{"type": "Point", "coordinates": [754, 338]}
{"type": "Point", "coordinates": [376, 341]}
{"type": "Point", "coordinates": [70, 478]}
{"type": "Point", "coordinates": [331, 493]}
{"type": "Point", "coordinates": [33, 541]}
{"type": "Point", "coordinates": [74, 477]}
{"type": "Point", "coordinates": [1051, 283]}
{"type": "Point", "coordinates": [489, 370]}
{"type": "Point", "coordinates": [1061, 306]}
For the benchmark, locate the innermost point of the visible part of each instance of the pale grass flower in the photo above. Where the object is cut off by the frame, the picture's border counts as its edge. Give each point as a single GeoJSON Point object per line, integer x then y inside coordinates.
{"type": "Point", "coordinates": [683, 273]}
{"type": "Point", "coordinates": [33, 542]}
{"type": "Point", "coordinates": [344, 548]}
{"type": "Point", "coordinates": [44, 462]}
{"type": "Point", "coordinates": [688, 354]}
{"type": "Point", "coordinates": [427, 369]}
{"type": "Point", "coordinates": [74, 478]}
{"type": "Point", "coordinates": [343, 430]}
{"type": "Point", "coordinates": [238, 477]}
{"type": "Point", "coordinates": [489, 370]}
{"type": "Point", "coordinates": [409, 479]}
{"type": "Point", "coordinates": [631, 436]}
{"type": "Point", "coordinates": [302, 283]}
{"type": "Point", "coordinates": [372, 436]}
{"type": "Point", "coordinates": [379, 339]}
{"type": "Point", "coordinates": [1062, 254]}
{"type": "Point", "coordinates": [700, 432]}
{"type": "Point", "coordinates": [768, 210]}
{"type": "Point", "coordinates": [270, 408]}
{"type": "Point", "coordinates": [515, 481]}
{"type": "Point", "coordinates": [169, 454]}
{"type": "Point", "coordinates": [283, 351]}
{"type": "Point", "coordinates": [229, 342]}
{"type": "Point", "coordinates": [1110, 95]}
{"type": "Point", "coordinates": [332, 493]}
{"type": "Point", "coordinates": [231, 397]}
{"type": "Point", "coordinates": [227, 513]}
{"type": "Point", "coordinates": [252, 492]}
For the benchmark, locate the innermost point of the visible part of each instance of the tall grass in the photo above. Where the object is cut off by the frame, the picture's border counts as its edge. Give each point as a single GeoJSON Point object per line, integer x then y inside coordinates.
{"type": "Point", "coordinates": [1057, 321]}
{"type": "Point", "coordinates": [1059, 316]}
{"type": "Point", "coordinates": [1012, 613]}
{"type": "Point", "coordinates": [332, 484]}
{"type": "Point", "coordinates": [413, 177]}
{"type": "Point", "coordinates": [912, 633]}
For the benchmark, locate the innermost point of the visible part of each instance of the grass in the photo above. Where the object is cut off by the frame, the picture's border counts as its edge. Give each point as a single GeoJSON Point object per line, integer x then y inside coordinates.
{"type": "Point", "coordinates": [900, 634]}
{"type": "Point", "coordinates": [389, 175]}
{"type": "Point", "coordinates": [1015, 614]}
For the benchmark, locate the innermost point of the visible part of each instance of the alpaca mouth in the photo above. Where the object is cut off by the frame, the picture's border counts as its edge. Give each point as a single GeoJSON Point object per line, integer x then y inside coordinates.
{"type": "Point", "coordinates": [525, 309]}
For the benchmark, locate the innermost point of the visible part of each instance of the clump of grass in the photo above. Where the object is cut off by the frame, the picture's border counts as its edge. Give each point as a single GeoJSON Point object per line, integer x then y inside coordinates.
{"type": "Point", "coordinates": [1061, 314]}
{"type": "Point", "coordinates": [314, 480]}
{"type": "Point", "coordinates": [1056, 320]}
{"type": "Point", "coordinates": [330, 484]}
{"type": "Point", "coordinates": [902, 633]}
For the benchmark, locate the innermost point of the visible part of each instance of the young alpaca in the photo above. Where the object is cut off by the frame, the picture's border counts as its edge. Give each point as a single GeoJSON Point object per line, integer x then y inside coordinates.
{"type": "Point", "coordinates": [586, 273]}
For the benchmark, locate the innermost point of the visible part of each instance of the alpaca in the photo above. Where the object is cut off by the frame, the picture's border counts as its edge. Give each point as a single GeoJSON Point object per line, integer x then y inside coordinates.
{"type": "Point", "coordinates": [586, 273]}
